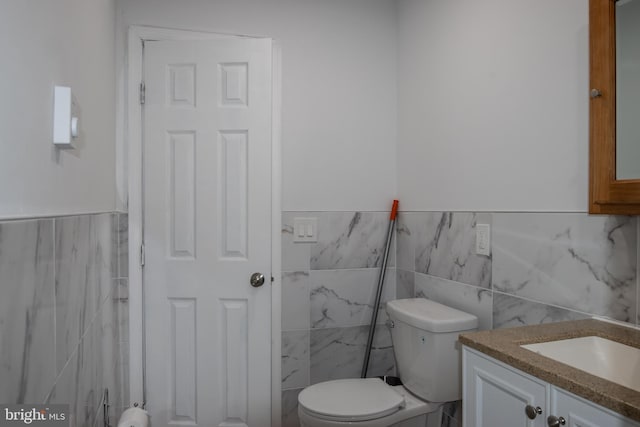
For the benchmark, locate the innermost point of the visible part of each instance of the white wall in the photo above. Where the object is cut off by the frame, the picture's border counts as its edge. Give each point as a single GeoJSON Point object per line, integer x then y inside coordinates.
{"type": "Point", "coordinates": [47, 43]}
{"type": "Point", "coordinates": [493, 105]}
{"type": "Point", "coordinates": [339, 94]}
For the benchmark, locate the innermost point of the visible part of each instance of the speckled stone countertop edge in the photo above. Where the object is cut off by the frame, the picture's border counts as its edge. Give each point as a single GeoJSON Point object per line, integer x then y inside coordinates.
{"type": "Point", "coordinates": [504, 345]}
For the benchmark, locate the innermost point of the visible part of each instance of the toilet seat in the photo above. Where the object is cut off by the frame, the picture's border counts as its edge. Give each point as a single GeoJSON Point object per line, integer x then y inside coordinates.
{"type": "Point", "coordinates": [358, 399]}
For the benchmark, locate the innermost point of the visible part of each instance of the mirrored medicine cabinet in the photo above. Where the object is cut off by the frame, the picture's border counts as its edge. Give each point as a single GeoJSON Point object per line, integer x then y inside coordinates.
{"type": "Point", "coordinates": [614, 111]}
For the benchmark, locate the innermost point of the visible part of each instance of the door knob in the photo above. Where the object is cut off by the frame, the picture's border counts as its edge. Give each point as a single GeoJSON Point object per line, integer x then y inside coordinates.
{"type": "Point", "coordinates": [257, 280]}
{"type": "Point", "coordinates": [554, 421]}
{"type": "Point", "coordinates": [532, 411]}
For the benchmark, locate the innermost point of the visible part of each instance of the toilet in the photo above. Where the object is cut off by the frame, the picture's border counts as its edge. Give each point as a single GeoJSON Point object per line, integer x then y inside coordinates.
{"type": "Point", "coordinates": [424, 335]}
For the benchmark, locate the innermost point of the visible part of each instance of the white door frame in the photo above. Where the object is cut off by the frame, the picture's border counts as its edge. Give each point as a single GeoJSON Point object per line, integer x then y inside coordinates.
{"type": "Point", "coordinates": [133, 135]}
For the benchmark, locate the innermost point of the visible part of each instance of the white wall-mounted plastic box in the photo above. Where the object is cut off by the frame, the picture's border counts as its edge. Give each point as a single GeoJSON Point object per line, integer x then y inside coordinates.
{"type": "Point", "coordinates": [62, 118]}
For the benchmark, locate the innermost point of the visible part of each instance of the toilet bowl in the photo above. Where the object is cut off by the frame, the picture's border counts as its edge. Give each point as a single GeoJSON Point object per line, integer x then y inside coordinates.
{"type": "Point", "coordinates": [367, 402]}
{"type": "Point", "coordinates": [424, 335]}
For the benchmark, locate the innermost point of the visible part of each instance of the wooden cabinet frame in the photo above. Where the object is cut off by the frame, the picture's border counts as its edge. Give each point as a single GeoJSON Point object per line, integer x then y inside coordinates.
{"type": "Point", "coordinates": [606, 194]}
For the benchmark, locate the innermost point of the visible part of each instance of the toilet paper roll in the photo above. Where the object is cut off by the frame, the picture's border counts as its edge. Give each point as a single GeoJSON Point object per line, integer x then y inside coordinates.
{"type": "Point", "coordinates": [134, 417]}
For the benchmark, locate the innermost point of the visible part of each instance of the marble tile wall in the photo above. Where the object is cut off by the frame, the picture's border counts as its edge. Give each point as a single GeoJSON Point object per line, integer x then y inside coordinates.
{"type": "Point", "coordinates": [63, 319]}
{"type": "Point", "coordinates": [543, 267]}
{"type": "Point", "coordinates": [328, 291]}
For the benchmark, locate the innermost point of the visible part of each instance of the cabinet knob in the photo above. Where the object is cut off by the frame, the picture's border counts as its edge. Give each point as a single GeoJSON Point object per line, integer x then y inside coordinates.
{"type": "Point", "coordinates": [532, 411]}
{"type": "Point", "coordinates": [554, 421]}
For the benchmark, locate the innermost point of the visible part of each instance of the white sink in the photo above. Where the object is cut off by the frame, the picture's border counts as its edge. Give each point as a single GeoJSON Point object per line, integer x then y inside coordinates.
{"type": "Point", "coordinates": [601, 357]}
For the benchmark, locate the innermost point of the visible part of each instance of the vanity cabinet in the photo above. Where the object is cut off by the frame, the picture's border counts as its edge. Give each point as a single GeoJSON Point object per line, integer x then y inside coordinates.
{"type": "Point", "coordinates": [578, 412]}
{"type": "Point", "coordinates": [495, 394]}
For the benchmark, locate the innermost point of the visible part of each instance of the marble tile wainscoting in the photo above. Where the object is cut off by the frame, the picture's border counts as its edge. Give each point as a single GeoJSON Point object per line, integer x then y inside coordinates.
{"type": "Point", "coordinates": [63, 313]}
{"type": "Point", "coordinates": [543, 267]}
{"type": "Point", "coordinates": [328, 291]}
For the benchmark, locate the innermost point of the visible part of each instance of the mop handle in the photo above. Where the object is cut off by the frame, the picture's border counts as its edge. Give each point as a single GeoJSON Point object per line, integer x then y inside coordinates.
{"type": "Point", "coordinates": [394, 211]}
{"type": "Point", "coordinates": [383, 270]}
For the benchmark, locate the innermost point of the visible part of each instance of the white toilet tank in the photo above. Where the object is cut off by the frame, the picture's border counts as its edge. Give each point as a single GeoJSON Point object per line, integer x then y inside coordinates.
{"type": "Point", "coordinates": [425, 343]}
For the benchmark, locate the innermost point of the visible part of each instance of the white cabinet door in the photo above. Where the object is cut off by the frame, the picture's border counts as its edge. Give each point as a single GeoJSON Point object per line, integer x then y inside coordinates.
{"type": "Point", "coordinates": [495, 395]}
{"type": "Point", "coordinates": [578, 412]}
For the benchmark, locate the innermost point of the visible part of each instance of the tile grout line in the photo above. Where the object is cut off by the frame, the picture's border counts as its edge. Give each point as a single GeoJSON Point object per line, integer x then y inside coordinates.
{"type": "Point", "coordinates": [55, 314]}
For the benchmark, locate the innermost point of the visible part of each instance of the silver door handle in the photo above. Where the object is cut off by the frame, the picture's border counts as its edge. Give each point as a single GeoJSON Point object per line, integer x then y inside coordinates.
{"type": "Point", "coordinates": [257, 280]}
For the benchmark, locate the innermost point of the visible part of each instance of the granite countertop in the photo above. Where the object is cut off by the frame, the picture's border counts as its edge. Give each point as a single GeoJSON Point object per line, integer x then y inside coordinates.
{"type": "Point", "coordinates": [504, 345]}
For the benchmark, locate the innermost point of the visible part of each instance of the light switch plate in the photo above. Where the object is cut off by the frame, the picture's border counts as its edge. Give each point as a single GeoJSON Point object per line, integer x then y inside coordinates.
{"type": "Point", "coordinates": [305, 230]}
{"type": "Point", "coordinates": [483, 239]}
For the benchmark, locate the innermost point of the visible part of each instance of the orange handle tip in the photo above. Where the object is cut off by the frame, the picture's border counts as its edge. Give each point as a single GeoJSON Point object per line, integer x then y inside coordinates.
{"type": "Point", "coordinates": [394, 210]}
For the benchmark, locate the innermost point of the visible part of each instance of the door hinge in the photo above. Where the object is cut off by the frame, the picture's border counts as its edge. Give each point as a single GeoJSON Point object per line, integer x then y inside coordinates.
{"type": "Point", "coordinates": [143, 93]}
{"type": "Point", "coordinates": [142, 256]}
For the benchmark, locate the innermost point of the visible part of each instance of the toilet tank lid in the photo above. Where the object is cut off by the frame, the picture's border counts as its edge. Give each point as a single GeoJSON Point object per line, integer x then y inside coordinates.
{"type": "Point", "coordinates": [430, 315]}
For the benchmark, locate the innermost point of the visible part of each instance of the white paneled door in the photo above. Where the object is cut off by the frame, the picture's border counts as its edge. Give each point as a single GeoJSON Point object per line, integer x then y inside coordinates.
{"type": "Point", "coordinates": [207, 229]}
